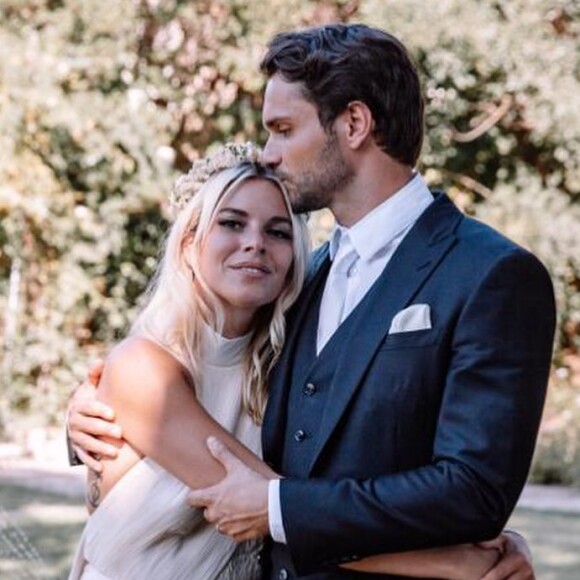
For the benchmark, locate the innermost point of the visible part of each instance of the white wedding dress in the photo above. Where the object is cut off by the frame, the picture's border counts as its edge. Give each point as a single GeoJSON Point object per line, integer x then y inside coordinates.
{"type": "Point", "coordinates": [144, 528]}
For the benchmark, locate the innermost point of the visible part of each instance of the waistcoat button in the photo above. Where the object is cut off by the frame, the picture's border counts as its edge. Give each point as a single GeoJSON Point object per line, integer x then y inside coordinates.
{"type": "Point", "coordinates": [300, 435]}
{"type": "Point", "coordinates": [310, 389]}
{"type": "Point", "coordinates": [283, 574]}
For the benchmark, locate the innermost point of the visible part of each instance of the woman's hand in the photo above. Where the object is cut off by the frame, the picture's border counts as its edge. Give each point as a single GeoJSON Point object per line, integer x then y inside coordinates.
{"type": "Point", "coordinates": [88, 419]}
{"type": "Point", "coordinates": [506, 557]}
{"type": "Point", "coordinates": [516, 560]}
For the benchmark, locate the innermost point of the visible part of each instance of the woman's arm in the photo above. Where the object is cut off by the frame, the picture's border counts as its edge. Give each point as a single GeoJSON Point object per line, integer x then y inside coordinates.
{"type": "Point", "coordinates": [161, 417]}
{"type": "Point", "coordinates": [462, 562]}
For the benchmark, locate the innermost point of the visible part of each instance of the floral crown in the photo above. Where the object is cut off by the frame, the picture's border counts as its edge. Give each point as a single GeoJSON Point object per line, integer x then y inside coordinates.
{"type": "Point", "coordinates": [230, 155]}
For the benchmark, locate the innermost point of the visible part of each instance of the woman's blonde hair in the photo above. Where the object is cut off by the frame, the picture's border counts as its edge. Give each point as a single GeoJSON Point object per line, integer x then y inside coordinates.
{"type": "Point", "coordinates": [176, 309]}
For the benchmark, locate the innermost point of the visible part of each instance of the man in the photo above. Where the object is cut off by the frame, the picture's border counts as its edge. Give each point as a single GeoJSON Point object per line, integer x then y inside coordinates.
{"type": "Point", "coordinates": [404, 410]}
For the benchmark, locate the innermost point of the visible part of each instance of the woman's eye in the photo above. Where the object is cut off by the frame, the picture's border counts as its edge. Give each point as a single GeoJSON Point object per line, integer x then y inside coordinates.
{"type": "Point", "coordinates": [231, 224]}
{"type": "Point", "coordinates": [281, 234]}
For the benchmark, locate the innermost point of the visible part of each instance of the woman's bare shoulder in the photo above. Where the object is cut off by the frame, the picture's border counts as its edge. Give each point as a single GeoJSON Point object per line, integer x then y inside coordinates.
{"type": "Point", "coordinates": [139, 363]}
{"type": "Point", "coordinates": [144, 349]}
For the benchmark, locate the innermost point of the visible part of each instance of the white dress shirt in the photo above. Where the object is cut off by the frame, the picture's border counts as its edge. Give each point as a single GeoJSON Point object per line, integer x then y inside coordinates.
{"type": "Point", "coordinates": [375, 238]}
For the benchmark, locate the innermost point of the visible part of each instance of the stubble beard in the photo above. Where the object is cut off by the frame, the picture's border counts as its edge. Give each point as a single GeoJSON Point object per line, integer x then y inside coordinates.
{"type": "Point", "coordinates": [316, 189]}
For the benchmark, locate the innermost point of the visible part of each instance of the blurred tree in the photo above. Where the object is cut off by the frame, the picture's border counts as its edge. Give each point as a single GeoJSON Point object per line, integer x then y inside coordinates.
{"type": "Point", "coordinates": [83, 172]}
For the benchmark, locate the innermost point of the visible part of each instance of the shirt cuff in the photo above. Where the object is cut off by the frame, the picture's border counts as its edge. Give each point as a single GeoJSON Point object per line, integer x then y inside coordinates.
{"type": "Point", "coordinates": [275, 512]}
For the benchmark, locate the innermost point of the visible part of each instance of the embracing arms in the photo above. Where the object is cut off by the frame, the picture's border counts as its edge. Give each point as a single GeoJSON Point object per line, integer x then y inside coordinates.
{"type": "Point", "coordinates": [161, 417]}
{"type": "Point", "coordinates": [170, 444]}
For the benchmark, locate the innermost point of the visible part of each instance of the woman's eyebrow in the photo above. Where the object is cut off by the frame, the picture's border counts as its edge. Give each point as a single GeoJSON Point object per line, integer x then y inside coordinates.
{"type": "Point", "coordinates": [240, 212]}
{"type": "Point", "coordinates": [281, 219]}
{"type": "Point", "coordinates": [233, 210]}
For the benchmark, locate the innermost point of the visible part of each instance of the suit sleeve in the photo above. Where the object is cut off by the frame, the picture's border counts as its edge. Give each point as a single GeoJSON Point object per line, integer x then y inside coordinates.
{"type": "Point", "coordinates": [486, 431]}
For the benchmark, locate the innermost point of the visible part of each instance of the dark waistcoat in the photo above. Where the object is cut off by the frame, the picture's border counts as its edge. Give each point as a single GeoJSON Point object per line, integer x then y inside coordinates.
{"type": "Point", "coordinates": [307, 398]}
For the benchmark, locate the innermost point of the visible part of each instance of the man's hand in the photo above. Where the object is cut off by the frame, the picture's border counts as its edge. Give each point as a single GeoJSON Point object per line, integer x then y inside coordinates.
{"type": "Point", "coordinates": [238, 504]}
{"type": "Point", "coordinates": [516, 560]}
{"type": "Point", "coordinates": [88, 418]}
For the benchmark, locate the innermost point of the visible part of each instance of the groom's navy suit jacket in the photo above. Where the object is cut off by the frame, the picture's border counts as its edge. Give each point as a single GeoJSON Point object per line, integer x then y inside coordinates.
{"type": "Point", "coordinates": [398, 441]}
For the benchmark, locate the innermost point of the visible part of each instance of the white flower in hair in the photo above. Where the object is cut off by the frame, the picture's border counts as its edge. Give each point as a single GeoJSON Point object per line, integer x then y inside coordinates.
{"type": "Point", "coordinates": [230, 155]}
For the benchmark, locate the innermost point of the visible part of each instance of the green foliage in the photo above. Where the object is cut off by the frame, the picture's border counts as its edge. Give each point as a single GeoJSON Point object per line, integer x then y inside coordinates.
{"type": "Point", "coordinates": [80, 191]}
{"type": "Point", "coordinates": [101, 104]}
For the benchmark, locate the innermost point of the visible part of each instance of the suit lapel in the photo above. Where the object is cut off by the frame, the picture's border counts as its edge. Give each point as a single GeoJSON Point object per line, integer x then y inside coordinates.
{"type": "Point", "coordinates": [422, 250]}
{"type": "Point", "coordinates": [279, 383]}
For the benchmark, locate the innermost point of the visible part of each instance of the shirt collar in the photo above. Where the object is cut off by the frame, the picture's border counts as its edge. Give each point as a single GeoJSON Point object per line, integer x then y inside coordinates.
{"type": "Point", "coordinates": [386, 221]}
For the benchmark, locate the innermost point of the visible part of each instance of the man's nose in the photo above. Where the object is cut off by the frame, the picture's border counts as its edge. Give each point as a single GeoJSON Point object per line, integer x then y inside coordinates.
{"type": "Point", "coordinates": [271, 155]}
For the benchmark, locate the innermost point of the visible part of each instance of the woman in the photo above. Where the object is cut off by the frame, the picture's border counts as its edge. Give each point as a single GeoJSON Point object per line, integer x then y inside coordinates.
{"type": "Point", "coordinates": [195, 364]}
{"type": "Point", "coordinates": [212, 328]}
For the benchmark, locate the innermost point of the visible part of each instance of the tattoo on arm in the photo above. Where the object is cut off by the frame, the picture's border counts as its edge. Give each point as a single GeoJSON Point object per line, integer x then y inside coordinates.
{"type": "Point", "coordinates": [94, 487]}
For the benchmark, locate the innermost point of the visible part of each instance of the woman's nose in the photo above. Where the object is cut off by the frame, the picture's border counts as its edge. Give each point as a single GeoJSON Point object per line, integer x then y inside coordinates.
{"type": "Point", "coordinates": [254, 241]}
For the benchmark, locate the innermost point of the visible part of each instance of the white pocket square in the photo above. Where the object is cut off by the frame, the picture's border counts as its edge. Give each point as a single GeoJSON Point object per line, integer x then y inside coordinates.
{"type": "Point", "coordinates": [415, 317]}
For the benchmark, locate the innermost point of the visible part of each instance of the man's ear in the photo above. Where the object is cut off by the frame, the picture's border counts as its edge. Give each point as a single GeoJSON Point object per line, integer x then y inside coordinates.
{"type": "Point", "coordinates": [358, 124]}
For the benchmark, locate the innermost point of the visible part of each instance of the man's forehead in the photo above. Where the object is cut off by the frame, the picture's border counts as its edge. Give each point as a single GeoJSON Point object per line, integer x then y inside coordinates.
{"type": "Point", "coordinates": [283, 99]}
{"type": "Point", "coordinates": [278, 84]}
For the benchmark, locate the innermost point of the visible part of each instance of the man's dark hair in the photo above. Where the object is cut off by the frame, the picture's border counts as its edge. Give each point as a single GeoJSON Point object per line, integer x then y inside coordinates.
{"type": "Point", "coordinates": [341, 63]}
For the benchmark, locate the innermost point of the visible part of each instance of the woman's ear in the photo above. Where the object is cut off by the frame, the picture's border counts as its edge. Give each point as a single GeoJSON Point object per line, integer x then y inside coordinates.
{"type": "Point", "coordinates": [358, 124]}
{"type": "Point", "coordinates": [187, 248]}
{"type": "Point", "coordinates": [187, 239]}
